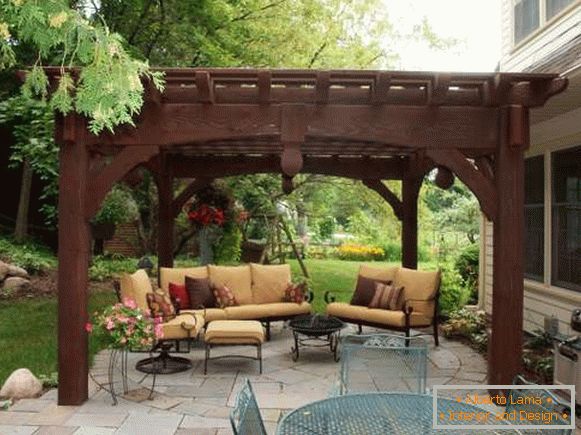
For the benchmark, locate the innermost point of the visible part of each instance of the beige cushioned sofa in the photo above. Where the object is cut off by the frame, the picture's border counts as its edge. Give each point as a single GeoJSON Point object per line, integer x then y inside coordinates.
{"type": "Point", "coordinates": [259, 290]}
{"type": "Point", "coordinates": [419, 305]}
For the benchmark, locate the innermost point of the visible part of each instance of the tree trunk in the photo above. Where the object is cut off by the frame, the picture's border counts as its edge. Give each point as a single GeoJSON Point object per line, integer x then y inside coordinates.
{"type": "Point", "coordinates": [21, 228]}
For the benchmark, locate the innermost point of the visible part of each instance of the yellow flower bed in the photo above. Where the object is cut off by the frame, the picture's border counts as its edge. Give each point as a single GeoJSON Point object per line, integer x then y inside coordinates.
{"type": "Point", "coordinates": [357, 252]}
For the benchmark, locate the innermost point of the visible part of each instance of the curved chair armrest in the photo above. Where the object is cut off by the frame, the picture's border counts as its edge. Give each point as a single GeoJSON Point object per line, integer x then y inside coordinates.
{"type": "Point", "coordinates": [309, 296]}
{"type": "Point", "coordinates": [201, 307]}
{"type": "Point", "coordinates": [329, 297]}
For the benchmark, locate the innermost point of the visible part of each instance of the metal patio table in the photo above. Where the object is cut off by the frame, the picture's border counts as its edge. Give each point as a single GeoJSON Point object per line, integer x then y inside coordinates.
{"type": "Point", "coordinates": [380, 414]}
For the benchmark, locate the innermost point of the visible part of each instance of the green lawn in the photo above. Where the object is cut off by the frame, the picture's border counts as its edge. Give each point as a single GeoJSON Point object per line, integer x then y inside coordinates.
{"type": "Point", "coordinates": [28, 333]}
{"type": "Point", "coordinates": [336, 276]}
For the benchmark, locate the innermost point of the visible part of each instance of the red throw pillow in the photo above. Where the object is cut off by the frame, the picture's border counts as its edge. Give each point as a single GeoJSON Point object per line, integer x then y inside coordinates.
{"type": "Point", "coordinates": [179, 292]}
{"type": "Point", "coordinates": [224, 296]}
{"type": "Point", "coordinates": [295, 293]}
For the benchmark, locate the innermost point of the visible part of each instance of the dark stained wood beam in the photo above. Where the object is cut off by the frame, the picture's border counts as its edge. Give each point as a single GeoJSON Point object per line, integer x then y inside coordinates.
{"type": "Point", "coordinates": [73, 259]}
{"type": "Point", "coordinates": [505, 343]}
{"type": "Point", "coordinates": [380, 90]}
{"type": "Point", "coordinates": [438, 88]}
{"type": "Point", "coordinates": [410, 189]}
{"type": "Point", "coordinates": [205, 87]}
{"type": "Point", "coordinates": [387, 195]}
{"type": "Point", "coordinates": [103, 179]}
{"type": "Point", "coordinates": [264, 86]}
{"type": "Point", "coordinates": [481, 186]}
{"type": "Point", "coordinates": [190, 190]}
{"type": "Point", "coordinates": [292, 135]}
{"type": "Point", "coordinates": [218, 167]}
{"type": "Point", "coordinates": [165, 228]}
{"type": "Point", "coordinates": [322, 87]}
{"type": "Point", "coordinates": [465, 128]}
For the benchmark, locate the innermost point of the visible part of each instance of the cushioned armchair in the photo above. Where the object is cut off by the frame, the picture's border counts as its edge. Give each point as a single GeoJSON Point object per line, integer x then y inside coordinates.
{"type": "Point", "coordinates": [418, 303]}
{"type": "Point", "coordinates": [182, 326]}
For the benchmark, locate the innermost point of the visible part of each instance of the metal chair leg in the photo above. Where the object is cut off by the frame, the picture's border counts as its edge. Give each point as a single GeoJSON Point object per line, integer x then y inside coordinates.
{"type": "Point", "coordinates": [206, 359]}
{"type": "Point", "coordinates": [259, 355]}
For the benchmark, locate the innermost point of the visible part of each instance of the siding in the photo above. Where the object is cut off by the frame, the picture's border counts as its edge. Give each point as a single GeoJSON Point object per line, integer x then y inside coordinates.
{"type": "Point", "coordinates": [546, 40]}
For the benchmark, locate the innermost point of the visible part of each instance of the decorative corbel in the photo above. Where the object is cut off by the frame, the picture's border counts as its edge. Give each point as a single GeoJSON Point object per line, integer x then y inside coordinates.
{"type": "Point", "coordinates": [293, 128]}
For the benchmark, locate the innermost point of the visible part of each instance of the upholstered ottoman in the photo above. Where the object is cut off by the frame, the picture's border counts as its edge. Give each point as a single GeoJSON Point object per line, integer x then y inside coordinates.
{"type": "Point", "coordinates": [234, 333]}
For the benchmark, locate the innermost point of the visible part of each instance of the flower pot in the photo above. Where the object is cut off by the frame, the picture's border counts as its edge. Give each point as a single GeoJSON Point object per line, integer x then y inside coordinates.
{"type": "Point", "coordinates": [207, 236]}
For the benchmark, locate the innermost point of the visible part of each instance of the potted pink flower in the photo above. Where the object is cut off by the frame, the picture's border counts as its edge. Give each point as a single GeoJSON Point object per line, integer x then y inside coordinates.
{"type": "Point", "coordinates": [124, 325]}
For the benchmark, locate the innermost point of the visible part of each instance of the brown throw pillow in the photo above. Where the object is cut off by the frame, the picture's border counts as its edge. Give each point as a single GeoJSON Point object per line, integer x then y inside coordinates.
{"type": "Point", "coordinates": [200, 292]}
{"type": "Point", "coordinates": [160, 306]}
{"type": "Point", "coordinates": [224, 296]}
{"type": "Point", "coordinates": [387, 297]}
{"type": "Point", "coordinates": [365, 290]}
{"type": "Point", "coordinates": [294, 293]}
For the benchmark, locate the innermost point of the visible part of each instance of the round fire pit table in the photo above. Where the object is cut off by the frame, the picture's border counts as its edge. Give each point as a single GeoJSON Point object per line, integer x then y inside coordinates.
{"type": "Point", "coordinates": [316, 330]}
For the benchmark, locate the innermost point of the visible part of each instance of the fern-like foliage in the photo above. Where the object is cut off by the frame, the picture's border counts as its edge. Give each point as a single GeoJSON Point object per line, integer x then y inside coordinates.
{"type": "Point", "coordinates": [108, 89]}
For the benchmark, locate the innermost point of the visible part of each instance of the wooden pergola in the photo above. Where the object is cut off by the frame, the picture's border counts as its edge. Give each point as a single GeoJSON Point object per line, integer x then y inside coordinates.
{"type": "Point", "coordinates": [365, 125]}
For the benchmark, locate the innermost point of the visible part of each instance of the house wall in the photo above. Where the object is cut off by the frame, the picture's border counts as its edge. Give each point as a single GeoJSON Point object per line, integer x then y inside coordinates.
{"type": "Point", "coordinates": [541, 299]}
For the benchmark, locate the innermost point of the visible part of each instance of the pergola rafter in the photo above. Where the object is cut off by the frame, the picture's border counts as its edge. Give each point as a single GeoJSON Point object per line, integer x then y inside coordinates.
{"type": "Point", "coordinates": [366, 125]}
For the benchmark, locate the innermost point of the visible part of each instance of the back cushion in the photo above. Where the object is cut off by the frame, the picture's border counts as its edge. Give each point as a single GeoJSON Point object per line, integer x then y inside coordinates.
{"type": "Point", "coordinates": [418, 284]}
{"type": "Point", "coordinates": [136, 286]}
{"type": "Point", "coordinates": [378, 273]}
{"type": "Point", "coordinates": [178, 275]}
{"type": "Point", "coordinates": [269, 282]}
{"type": "Point", "coordinates": [236, 278]}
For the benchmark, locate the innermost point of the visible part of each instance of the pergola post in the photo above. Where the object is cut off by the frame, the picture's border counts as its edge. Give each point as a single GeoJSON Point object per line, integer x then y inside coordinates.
{"type": "Point", "coordinates": [409, 234]}
{"type": "Point", "coordinates": [505, 347]}
{"type": "Point", "coordinates": [73, 257]}
{"type": "Point", "coordinates": [165, 226]}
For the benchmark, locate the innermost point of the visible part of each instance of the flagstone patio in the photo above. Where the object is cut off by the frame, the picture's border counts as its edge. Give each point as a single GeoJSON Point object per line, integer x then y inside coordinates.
{"type": "Point", "coordinates": [191, 403]}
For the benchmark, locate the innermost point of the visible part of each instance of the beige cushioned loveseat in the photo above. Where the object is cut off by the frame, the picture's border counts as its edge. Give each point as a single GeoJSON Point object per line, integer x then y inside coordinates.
{"type": "Point", "coordinates": [419, 304]}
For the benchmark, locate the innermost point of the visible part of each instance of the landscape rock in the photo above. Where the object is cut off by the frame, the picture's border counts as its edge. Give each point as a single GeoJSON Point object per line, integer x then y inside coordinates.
{"type": "Point", "coordinates": [4, 268]}
{"type": "Point", "coordinates": [16, 284]}
{"type": "Point", "coordinates": [21, 384]}
{"type": "Point", "coordinates": [17, 271]}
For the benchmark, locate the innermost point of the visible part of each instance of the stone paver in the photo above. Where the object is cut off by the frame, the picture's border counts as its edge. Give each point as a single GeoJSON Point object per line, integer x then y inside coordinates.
{"type": "Point", "coordinates": [193, 403]}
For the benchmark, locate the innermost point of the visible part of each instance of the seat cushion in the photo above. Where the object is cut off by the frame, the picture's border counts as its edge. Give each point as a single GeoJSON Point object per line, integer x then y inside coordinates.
{"type": "Point", "coordinates": [236, 278]}
{"type": "Point", "coordinates": [234, 331]}
{"type": "Point", "coordinates": [209, 314]}
{"type": "Point", "coordinates": [378, 273]}
{"type": "Point", "coordinates": [269, 282]}
{"type": "Point", "coordinates": [178, 275]}
{"type": "Point", "coordinates": [182, 326]}
{"type": "Point", "coordinates": [135, 287]}
{"type": "Point", "coordinates": [384, 317]}
{"type": "Point", "coordinates": [264, 311]}
{"type": "Point", "coordinates": [418, 284]}
{"type": "Point", "coordinates": [346, 311]}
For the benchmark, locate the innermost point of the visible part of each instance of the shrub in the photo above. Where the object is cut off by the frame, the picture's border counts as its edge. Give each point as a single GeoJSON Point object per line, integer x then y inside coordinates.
{"type": "Point", "coordinates": [453, 293]}
{"type": "Point", "coordinates": [118, 207]}
{"type": "Point", "coordinates": [468, 324]}
{"type": "Point", "coordinates": [392, 251]}
{"type": "Point", "coordinates": [355, 252]}
{"type": "Point", "coordinates": [229, 247]}
{"type": "Point", "coordinates": [467, 266]}
{"type": "Point", "coordinates": [106, 267]}
{"type": "Point", "coordinates": [31, 256]}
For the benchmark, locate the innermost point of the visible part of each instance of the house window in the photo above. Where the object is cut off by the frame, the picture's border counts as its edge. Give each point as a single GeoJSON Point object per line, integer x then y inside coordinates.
{"type": "Point", "coordinates": [526, 18]}
{"type": "Point", "coordinates": [529, 15]}
{"type": "Point", "coordinates": [553, 7]}
{"type": "Point", "coordinates": [566, 216]}
{"type": "Point", "coordinates": [534, 218]}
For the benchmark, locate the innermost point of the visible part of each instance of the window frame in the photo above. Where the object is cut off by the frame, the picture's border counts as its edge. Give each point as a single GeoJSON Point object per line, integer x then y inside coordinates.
{"type": "Point", "coordinates": [543, 22]}
{"type": "Point", "coordinates": [537, 205]}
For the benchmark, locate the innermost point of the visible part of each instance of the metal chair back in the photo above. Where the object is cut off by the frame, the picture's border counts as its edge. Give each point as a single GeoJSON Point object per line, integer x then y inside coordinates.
{"type": "Point", "coordinates": [382, 362]}
{"type": "Point", "coordinates": [245, 417]}
{"type": "Point", "coordinates": [548, 403]}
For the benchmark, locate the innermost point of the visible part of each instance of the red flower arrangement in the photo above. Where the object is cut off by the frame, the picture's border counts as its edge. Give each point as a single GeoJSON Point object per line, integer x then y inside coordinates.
{"type": "Point", "coordinates": [206, 215]}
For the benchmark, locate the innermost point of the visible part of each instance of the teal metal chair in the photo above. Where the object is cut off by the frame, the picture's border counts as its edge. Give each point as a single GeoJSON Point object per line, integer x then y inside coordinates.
{"type": "Point", "coordinates": [554, 404]}
{"type": "Point", "coordinates": [245, 417]}
{"type": "Point", "coordinates": [382, 362]}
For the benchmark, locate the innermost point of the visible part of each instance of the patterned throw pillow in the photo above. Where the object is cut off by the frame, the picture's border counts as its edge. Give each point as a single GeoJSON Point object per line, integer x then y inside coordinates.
{"type": "Point", "coordinates": [365, 290]}
{"type": "Point", "coordinates": [160, 306]}
{"type": "Point", "coordinates": [224, 296]}
{"type": "Point", "coordinates": [179, 292]}
{"type": "Point", "coordinates": [387, 297]}
{"type": "Point", "coordinates": [295, 293]}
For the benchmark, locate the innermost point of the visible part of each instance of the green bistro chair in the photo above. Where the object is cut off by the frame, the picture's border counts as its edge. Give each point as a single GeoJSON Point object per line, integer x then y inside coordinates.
{"type": "Point", "coordinates": [245, 417]}
{"type": "Point", "coordinates": [554, 404]}
{"type": "Point", "coordinates": [382, 362]}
